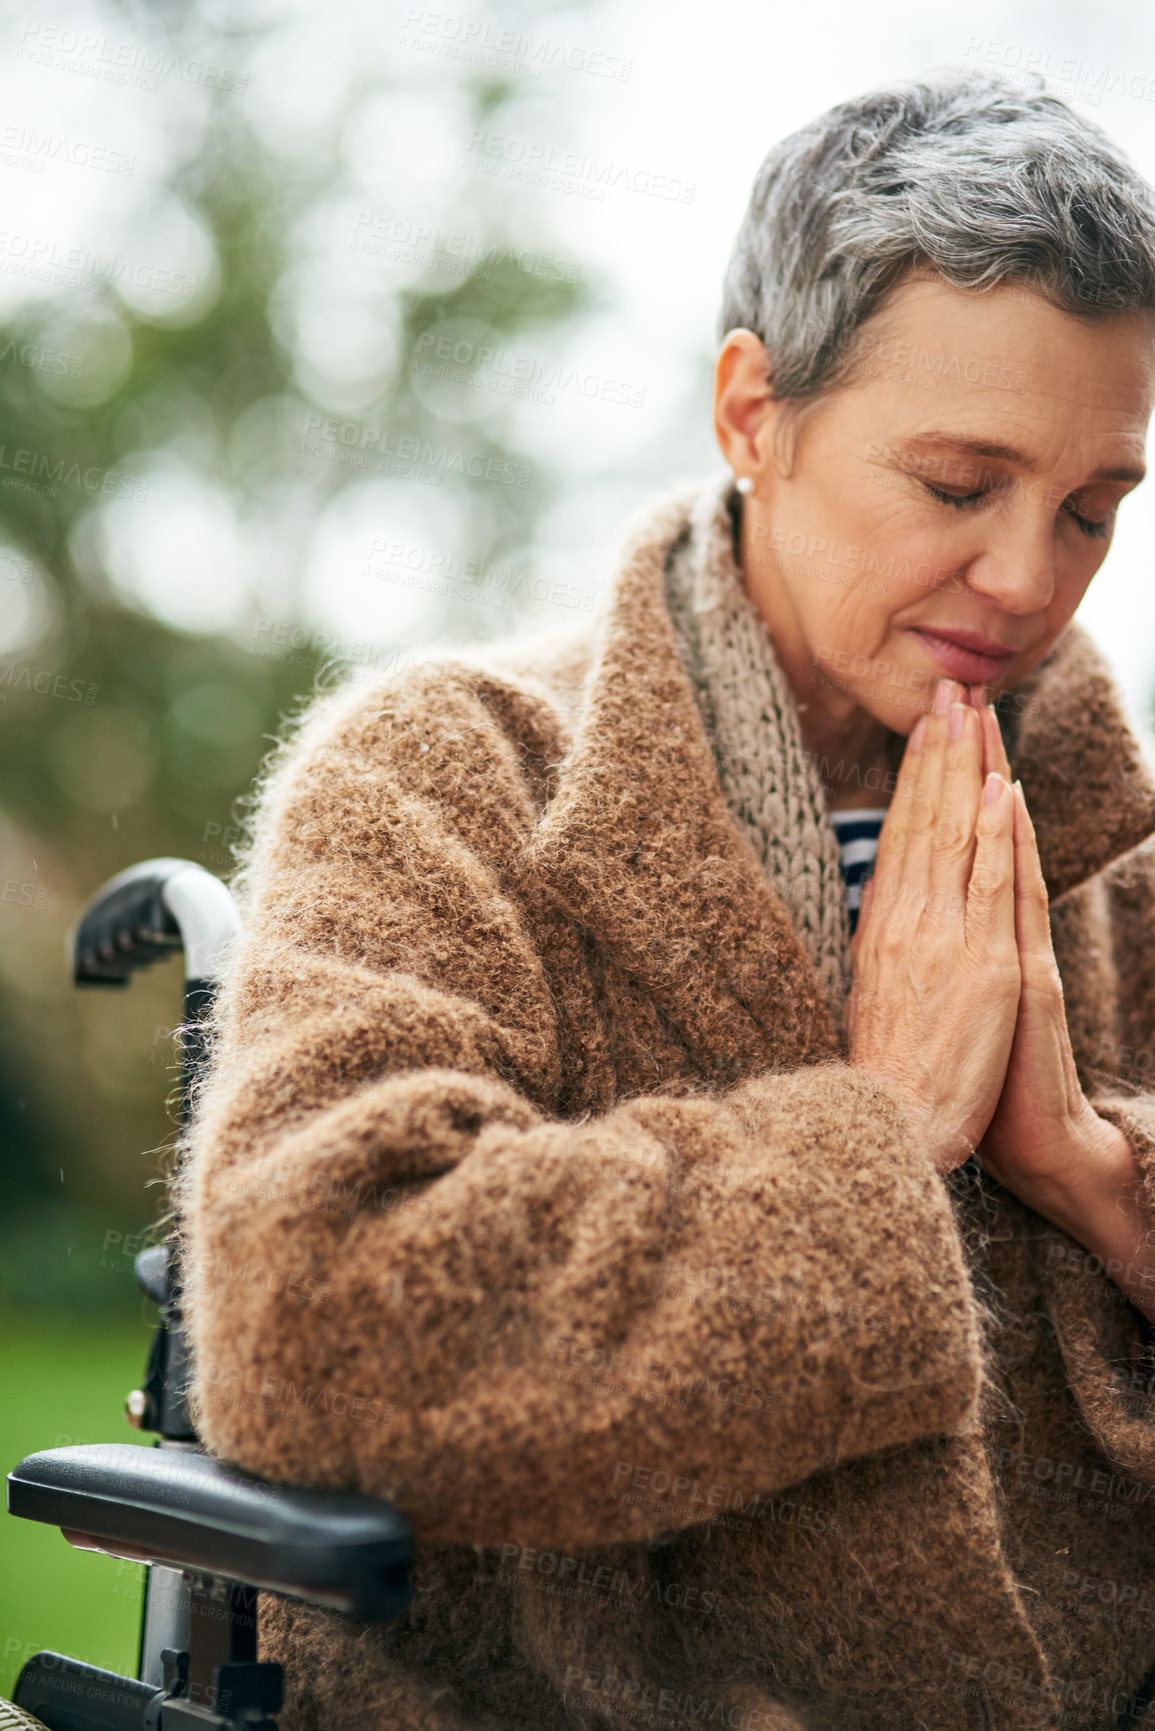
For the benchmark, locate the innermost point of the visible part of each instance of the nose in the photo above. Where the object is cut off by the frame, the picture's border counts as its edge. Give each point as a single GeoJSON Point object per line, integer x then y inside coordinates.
{"type": "Point", "coordinates": [1017, 564]}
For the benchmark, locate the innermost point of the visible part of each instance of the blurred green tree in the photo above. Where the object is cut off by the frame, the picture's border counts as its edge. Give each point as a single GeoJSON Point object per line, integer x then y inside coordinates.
{"type": "Point", "coordinates": [124, 737]}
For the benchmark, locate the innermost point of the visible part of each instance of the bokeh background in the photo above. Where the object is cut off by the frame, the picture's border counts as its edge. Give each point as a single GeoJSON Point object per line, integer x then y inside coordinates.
{"type": "Point", "coordinates": [236, 237]}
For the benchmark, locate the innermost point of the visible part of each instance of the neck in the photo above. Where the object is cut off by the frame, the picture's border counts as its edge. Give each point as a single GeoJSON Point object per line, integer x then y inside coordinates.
{"type": "Point", "coordinates": [857, 761]}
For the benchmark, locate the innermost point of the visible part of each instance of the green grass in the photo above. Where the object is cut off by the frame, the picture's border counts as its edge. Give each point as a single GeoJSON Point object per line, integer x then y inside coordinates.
{"type": "Point", "coordinates": [64, 1381]}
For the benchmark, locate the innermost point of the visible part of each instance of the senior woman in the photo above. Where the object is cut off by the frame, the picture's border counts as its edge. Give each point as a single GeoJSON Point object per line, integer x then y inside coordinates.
{"type": "Point", "coordinates": [750, 1312]}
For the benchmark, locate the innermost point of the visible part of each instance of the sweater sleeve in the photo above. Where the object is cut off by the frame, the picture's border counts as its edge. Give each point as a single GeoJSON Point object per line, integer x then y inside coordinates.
{"type": "Point", "coordinates": [1123, 1081]}
{"type": "Point", "coordinates": [408, 1274]}
{"type": "Point", "coordinates": [1107, 930]}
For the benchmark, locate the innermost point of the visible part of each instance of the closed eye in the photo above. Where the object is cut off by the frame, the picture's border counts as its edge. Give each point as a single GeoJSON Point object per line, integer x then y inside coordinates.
{"type": "Point", "coordinates": [968, 501]}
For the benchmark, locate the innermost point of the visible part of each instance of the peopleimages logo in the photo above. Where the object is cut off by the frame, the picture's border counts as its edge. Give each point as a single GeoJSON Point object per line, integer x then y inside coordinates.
{"type": "Point", "coordinates": [571, 170]}
{"type": "Point", "coordinates": [1083, 76]}
{"type": "Point", "coordinates": [18, 677]}
{"type": "Point", "coordinates": [54, 472]}
{"type": "Point", "coordinates": [371, 447]}
{"type": "Point", "coordinates": [439, 573]}
{"type": "Point", "coordinates": [600, 1581]}
{"type": "Point", "coordinates": [265, 1390]}
{"type": "Point", "coordinates": [482, 42]}
{"type": "Point", "coordinates": [119, 62]}
{"type": "Point", "coordinates": [25, 147]}
{"type": "Point", "coordinates": [383, 235]}
{"type": "Point", "coordinates": [41, 360]}
{"type": "Point", "coordinates": [37, 255]}
{"type": "Point", "coordinates": [452, 355]}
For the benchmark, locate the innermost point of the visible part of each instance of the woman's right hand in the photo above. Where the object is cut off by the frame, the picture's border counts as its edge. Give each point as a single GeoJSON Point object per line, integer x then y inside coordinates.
{"type": "Point", "coordinates": [935, 994]}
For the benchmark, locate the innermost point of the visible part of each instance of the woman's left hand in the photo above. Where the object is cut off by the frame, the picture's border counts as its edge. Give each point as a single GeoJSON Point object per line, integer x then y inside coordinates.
{"type": "Point", "coordinates": [1034, 1143]}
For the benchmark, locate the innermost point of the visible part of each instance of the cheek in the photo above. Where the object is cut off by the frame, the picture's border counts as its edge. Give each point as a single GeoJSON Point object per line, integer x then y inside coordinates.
{"type": "Point", "coordinates": [849, 621]}
{"type": "Point", "coordinates": [884, 559]}
{"type": "Point", "coordinates": [910, 554]}
{"type": "Point", "coordinates": [904, 533]}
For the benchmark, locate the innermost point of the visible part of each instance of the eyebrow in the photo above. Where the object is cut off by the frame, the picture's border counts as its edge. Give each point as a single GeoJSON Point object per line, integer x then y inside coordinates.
{"type": "Point", "coordinates": [1009, 454]}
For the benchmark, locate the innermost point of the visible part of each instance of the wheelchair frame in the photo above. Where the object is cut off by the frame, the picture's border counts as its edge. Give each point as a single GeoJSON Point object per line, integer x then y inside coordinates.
{"type": "Point", "coordinates": [210, 1534]}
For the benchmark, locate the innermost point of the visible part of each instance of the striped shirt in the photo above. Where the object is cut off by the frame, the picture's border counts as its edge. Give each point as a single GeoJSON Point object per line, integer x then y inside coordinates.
{"type": "Point", "coordinates": [857, 833]}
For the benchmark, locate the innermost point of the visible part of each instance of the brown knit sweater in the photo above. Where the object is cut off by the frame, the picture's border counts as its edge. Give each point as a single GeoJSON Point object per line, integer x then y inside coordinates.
{"type": "Point", "coordinates": [531, 1188]}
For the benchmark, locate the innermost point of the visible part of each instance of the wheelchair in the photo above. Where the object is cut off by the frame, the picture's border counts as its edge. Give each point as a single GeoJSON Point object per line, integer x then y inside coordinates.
{"type": "Point", "coordinates": [211, 1535]}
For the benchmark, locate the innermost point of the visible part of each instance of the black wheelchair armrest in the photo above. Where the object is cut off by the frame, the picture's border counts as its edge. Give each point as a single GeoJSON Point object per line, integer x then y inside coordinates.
{"type": "Point", "coordinates": [184, 1510]}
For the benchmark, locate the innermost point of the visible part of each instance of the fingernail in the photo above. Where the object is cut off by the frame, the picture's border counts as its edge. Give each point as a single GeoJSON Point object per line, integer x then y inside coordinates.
{"type": "Point", "coordinates": [993, 788]}
{"type": "Point", "coordinates": [916, 734]}
{"type": "Point", "coordinates": [982, 696]}
{"type": "Point", "coordinates": [958, 719]}
{"type": "Point", "coordinates": [943, 696]}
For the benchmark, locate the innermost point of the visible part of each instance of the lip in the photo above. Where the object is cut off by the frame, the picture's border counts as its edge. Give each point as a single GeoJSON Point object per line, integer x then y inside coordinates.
{"type": "Point", "coordinates": [965, 655]}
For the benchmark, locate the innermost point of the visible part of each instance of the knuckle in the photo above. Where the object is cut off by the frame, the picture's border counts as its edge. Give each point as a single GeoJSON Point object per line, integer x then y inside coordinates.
{"type": "Point", "coordinates": [952, 838]}
{"type": "Point", "coordinates": [921, 817]}
{"type": "Point", "coordinates": [988, 878]}
{"type": "Point", "coordinates": [888, 932]}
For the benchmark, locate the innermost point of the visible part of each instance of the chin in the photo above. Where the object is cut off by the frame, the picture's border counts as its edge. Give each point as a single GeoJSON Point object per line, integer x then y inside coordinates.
{"type": "Point", "coordinates": [901, 718]}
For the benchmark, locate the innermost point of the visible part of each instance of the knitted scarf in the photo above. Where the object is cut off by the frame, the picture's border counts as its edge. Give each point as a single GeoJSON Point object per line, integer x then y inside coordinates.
{"type": "Point", "coordinates": [750, 715]}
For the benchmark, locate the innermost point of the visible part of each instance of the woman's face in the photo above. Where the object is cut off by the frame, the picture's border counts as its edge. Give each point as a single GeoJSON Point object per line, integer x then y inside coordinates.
{"type": "Point", "coordinates": [963, 481]}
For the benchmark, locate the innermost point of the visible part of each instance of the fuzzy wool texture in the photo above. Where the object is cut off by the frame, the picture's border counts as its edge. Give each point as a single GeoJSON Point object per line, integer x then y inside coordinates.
{"type": "Point", "coordinates": [530, 1188]}
{"type": "Point", "coordinates": [770, 780]}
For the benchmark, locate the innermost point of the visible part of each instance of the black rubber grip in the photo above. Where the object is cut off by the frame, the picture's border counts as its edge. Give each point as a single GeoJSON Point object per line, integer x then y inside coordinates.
{"type": "Point", "coordinates": [126, 926]}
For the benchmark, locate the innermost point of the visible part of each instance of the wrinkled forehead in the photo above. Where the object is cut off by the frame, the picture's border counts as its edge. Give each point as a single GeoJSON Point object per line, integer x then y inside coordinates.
{"type": "Point", "coordinates": [1007, 351]}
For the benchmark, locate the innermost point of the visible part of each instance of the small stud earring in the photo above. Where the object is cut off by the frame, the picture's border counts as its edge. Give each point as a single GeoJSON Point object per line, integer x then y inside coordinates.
{"type": "Point", "coordinates": [744, 484]}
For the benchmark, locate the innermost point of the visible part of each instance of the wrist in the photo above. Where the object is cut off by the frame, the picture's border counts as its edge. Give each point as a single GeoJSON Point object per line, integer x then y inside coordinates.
{"type": "Point", "coordinates": [1085, 1160]}
{"type": "Point", "coordinates": [1095, 1193]}
{"type": "Point", "coordinates": [1121, 1229]}
{"type": "Point", "coordinates": [1099, 1200]}
{"type": "Point", "coordinates": [1090, 1163]}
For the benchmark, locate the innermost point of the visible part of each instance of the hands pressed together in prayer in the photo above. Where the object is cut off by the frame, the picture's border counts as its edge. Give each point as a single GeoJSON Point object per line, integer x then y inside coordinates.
{"type": "Point", "coordinates": [957, 1002]}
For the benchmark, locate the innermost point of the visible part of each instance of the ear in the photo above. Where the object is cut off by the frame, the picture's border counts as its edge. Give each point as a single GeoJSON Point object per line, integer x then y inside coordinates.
{"type": "Point", "coordinates": [747, 416]}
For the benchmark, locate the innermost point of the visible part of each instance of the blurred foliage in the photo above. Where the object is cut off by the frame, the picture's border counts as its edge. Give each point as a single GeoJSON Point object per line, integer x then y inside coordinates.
{"type": "Point", "coordinates": [123, 738]}
{"type": "Point", "coordinates": [72, 1379]}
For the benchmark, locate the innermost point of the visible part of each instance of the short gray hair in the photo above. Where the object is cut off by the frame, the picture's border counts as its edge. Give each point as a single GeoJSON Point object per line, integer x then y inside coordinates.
{"type": "Point", "coordinates": [957, 172]}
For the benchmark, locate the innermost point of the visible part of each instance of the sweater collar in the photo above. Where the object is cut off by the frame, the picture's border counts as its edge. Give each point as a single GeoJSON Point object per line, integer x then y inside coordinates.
{"type": "Point", "coordinates": [639, 843]}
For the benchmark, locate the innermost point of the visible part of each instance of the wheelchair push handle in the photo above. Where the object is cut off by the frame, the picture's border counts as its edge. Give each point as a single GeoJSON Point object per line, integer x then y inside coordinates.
{"type": "Point", "coordinates": [134, 920]}
{"type": "Point", "coordinates": [145, 913]}
{"type": "Point", "coordinates": [141, 916]}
